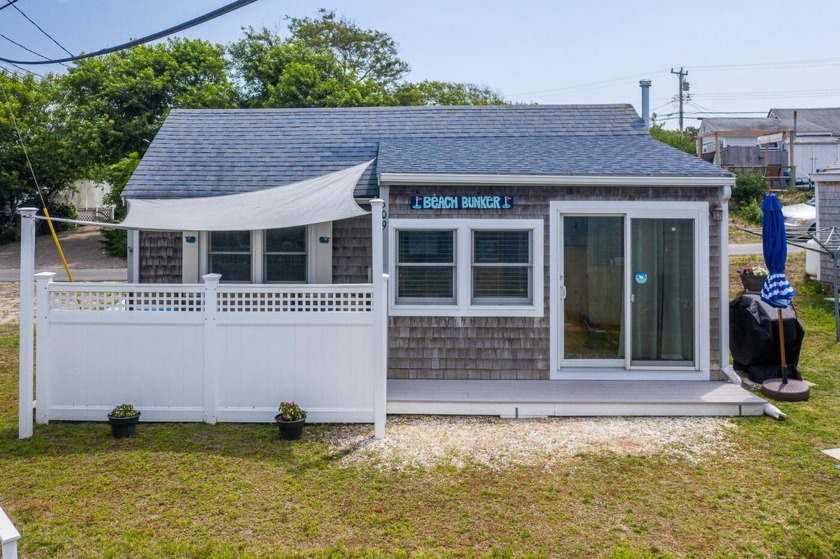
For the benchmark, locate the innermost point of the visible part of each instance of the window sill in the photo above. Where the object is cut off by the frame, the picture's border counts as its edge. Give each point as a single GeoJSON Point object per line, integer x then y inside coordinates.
{"type": "Point", "coordinates": [470, 310]}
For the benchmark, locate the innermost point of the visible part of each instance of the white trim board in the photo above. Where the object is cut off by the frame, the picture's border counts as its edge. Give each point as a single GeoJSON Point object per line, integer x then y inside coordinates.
{"type": "Point", "coordinates": [463, 305]}
{"type": "Point", "coordinates": [591, 371]}
{"type": "Point", "coordinates": [551, 180]}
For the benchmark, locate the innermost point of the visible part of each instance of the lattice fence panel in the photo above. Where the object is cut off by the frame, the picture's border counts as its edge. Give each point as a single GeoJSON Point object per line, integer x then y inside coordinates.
{"type": "Point", "coordinates": [126, 300]}
{"type": "Point", "coordinates": [290, 301]}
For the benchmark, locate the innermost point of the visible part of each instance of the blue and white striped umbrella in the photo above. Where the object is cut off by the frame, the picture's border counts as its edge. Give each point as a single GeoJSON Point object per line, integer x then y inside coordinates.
{"type": "Point", "coordinates": [776, 290]}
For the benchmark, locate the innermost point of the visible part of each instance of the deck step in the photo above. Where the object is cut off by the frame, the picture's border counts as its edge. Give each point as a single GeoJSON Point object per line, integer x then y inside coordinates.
{"type": "Point", "coordinates": [578, 398]}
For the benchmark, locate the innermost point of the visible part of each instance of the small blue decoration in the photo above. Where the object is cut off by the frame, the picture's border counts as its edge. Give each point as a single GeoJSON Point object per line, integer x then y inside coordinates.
{"type": "Point", "coordinates": [190, 239]}
{"type": "Point", "coordinates": [641, 278]}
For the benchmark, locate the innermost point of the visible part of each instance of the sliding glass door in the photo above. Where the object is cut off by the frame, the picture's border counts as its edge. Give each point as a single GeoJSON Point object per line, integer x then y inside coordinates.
{"type": "Point", "coordinates": [593, 272]}
{"type": "Point", "coordinates": [663, 292]}
{"type": "Point", "coordinates": [627, 291]}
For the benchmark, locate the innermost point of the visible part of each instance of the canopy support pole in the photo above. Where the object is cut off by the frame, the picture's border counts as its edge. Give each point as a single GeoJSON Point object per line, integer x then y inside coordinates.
{"type": "Point", "coordinates": [26, 367]}
{"type": "Point", "coordinates": [380, 318]}
{"type": "Point", "coordinates": [782, 348]}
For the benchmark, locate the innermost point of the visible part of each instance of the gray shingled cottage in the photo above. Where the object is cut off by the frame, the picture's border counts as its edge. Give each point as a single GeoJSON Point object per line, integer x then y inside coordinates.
{"type": "Point", "coordinates": [558, 251]}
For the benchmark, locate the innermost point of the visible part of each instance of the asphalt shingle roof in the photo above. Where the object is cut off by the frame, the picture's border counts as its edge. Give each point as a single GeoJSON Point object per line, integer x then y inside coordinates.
{"type": "Point", "coordinates": [211, 152]}
{"type": "Point", "coordinates": [637, 155]}
{"type": "Point", "coordinates": [825, 118]}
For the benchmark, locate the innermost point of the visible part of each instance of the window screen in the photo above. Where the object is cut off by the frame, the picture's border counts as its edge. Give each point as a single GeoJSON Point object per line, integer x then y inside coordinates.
{"type": "Point", "coordinates": [501, 267]}
{"type": "Point", "coordinates": [426, 266]}
{"type": "Point", "coordinates": [230, 255]}
{"type": "Point", "coordinates": [285, 255]}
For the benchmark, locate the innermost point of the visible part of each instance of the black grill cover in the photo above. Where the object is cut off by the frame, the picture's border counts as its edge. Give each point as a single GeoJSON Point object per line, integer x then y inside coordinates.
{"type": "Point", "coordinates": [754, 338]}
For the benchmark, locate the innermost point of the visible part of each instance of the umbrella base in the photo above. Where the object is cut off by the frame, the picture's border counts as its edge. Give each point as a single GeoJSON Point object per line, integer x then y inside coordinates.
{"type": "Point", "coordinates": [792, 391]}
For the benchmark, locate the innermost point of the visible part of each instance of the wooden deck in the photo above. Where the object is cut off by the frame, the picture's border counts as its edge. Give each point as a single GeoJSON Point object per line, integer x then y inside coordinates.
{"type": "Point", "coordinates": [543, 398]}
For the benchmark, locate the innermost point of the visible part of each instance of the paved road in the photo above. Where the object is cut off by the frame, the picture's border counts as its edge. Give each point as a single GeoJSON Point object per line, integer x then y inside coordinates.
{"type": "Point", "coordinates": [87, 274]}
{"type": "Point", "coordinates": [755, 248]}
{"type": "Point", "coordinates": [82, 247]}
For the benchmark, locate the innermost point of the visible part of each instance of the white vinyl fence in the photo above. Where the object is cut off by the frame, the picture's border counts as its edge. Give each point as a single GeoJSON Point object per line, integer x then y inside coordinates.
{"type": "Point", "coordinates": [9, 537]}
{"type": "Point", "coordinates": [209, 352]}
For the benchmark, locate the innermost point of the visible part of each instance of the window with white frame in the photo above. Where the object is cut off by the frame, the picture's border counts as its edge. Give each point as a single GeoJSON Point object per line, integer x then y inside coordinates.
{"type": "Point", "coordinates": [268, 256]}
{"type": "Point", "coordinates": [481, 267]}
{"type": "Point", "coordinates": [426, 266]}
{"type": "Point", "coordinates": [229, 254]}
{"type": "Point", "coordinates": [285, 255]}
{"type": "Point", "coordinates": [501, 267]}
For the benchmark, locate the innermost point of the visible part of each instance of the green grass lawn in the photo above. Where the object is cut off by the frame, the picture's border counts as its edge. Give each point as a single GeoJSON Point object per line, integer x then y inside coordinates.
{"type": "Point", "coordinates": [194, 490]}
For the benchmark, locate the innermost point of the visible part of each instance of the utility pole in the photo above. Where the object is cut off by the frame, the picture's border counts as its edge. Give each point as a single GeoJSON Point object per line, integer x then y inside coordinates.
{"type": "Point", "coordinates": [683, 88]}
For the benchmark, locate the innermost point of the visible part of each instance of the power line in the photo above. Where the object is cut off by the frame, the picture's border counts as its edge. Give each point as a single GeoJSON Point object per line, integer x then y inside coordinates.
{"type": "Point", "coordinates": [154, 36]}
{"type": "Point", "coordinates": [9, 3]}
{"type": "Point", "coordinates": [588, 85]}
{"type": "Point", "coordinates": [50, 37]}
{"type": "Point", "coordinates": [24, 47]}
{"type": "Point", "coordinates": [21, 68]}
{"type": "Point", "coordinates": [786, 64]}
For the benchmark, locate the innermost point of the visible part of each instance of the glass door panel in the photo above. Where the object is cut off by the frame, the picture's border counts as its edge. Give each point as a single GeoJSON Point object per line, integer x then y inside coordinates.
{"type": "Point", "coordinates": [592, 281]}
{"type": "Point", "coordinates": [662, 265]}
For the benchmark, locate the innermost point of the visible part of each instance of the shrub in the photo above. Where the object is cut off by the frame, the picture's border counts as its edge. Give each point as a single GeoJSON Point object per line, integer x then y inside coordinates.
{"type": "Point", "coordinates": [751, 213]}
{"type": "Point", "coordinates": [749, 187]}
{"type": "Point", "coordinates": [66, 211]}
{"type": "Point", "coordinates": [9, 234]}
{"type": "Point", "coordinates": [115, 241]}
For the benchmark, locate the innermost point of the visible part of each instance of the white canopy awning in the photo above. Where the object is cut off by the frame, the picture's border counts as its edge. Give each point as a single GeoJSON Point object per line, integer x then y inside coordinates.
{"type": "Point", "coordinates": [325, 198]}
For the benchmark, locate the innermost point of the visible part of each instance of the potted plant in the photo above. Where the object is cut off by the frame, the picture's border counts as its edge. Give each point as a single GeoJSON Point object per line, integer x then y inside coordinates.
{"type": "Point", "coordinates": [290, 420]}
{"type": "Point", "coordinates": [123, 419]}
{"type": "Point", "coordinates": [753, 278]}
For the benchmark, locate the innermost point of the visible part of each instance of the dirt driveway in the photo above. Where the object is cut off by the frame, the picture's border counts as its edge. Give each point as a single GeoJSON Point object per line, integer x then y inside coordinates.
{"type": "Point", "coordinates": [84, 254]}
{"type": "Point", "coordinates": [81, 248]}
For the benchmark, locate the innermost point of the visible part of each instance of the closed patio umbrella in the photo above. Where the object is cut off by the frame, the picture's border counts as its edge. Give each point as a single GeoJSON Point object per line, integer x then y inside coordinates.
{"type": "Point", "coordinates": [778, 293]}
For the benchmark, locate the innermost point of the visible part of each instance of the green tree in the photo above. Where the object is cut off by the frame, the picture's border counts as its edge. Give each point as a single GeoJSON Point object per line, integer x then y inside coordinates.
{"type": "Point", "coordinates": [362, 54]}
{"type": "Point", "coordinates": [330, 61]}
{"type": "Point", "coordinates": [32, 107]}
{"type": "Point", "coordinates": [326, 62]}
{"type": "Point", "coordinates": [681, 140]}
{"type": "Point", "coordinates": [119, 101]}
{"type": "Point", "coordinates": [446, 93]}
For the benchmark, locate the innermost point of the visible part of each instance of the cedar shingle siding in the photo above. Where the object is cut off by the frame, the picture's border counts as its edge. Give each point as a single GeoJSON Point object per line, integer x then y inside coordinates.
{"type": "Point", "coordinates": [514, 347]}
{"type": "Point", "coordinates": [829, 215]}
{"type": "Point", "coordinates": [160, 257]}
{"type": "Point", "coordinates": [351, 250]}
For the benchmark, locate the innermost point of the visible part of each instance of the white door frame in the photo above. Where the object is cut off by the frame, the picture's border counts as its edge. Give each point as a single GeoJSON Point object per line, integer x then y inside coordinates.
{"type": "Point", "coordinates": [699, 211]}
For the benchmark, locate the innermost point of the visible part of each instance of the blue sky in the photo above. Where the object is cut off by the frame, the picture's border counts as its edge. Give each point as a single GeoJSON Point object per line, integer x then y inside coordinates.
{"type": "Point", "coordinates": [744, 55]}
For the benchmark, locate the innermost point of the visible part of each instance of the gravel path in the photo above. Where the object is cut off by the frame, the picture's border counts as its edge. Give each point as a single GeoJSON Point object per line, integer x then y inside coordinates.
{"type": "Point", "coordinates": [429, 441]}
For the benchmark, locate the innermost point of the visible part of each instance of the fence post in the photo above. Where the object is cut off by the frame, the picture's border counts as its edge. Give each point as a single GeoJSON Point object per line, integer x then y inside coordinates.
{"type": "Point", "coordinates": [211, 365]}
{"type": "Point", "coordinates": [26, 368]}
{"type": "Point", "coordinates": [380, 320]}
{"type": "Point", "coordinates": [9, 536]}
{"type": "Point", "coordinates": [42, 348]}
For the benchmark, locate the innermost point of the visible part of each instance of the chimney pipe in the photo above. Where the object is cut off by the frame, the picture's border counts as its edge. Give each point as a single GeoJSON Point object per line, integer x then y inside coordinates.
{"type": "Point", "coordinates": [645, 85]}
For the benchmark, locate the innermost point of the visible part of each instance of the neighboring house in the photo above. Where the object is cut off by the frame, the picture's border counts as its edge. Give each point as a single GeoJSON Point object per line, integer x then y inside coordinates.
{"type": "Point", "coordinates": [763, 144]}
{"type": "Point", "coordinates": [88, 197]}
{"type": "Point", "coordinates": [542, 260]}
